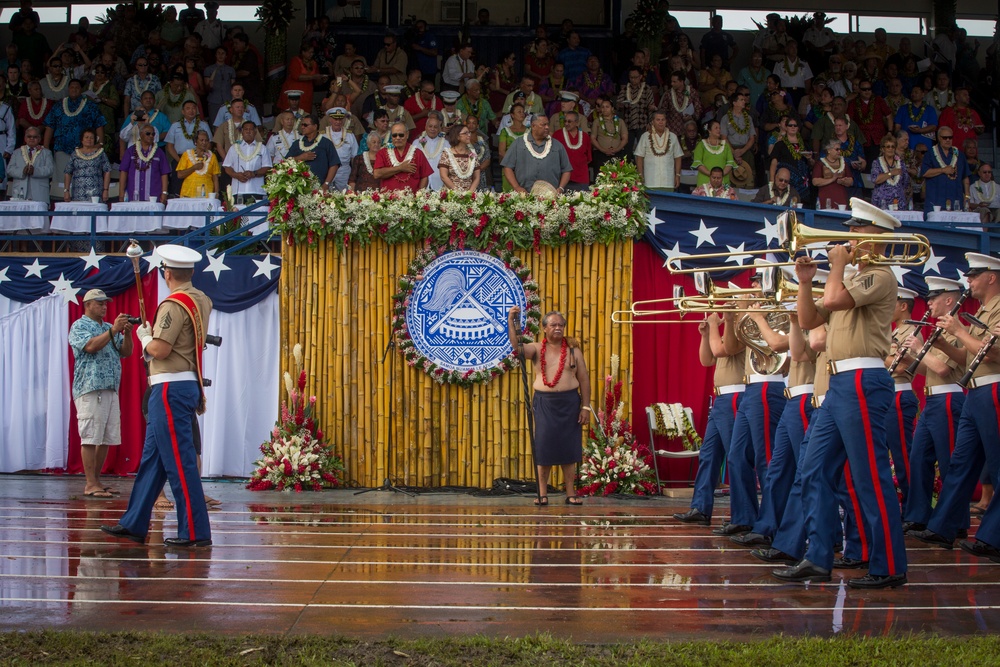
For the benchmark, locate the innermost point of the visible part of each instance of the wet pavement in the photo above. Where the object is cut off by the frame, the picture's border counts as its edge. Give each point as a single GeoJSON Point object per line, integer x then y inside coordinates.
{"type": "Point", "coordinates": [382, 564]}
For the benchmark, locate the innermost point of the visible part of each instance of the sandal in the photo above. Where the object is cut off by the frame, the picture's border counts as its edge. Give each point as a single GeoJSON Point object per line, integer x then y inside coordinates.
{"type": "Point", "coordinates": [573, 500]}
{"type": "Point", "coordinates": [163, 504]}
{"type": "Point", "coordinates": [542, 501]}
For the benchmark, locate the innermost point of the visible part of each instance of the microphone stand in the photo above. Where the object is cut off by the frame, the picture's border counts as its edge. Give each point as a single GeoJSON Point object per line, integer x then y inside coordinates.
{"type": "Point", "coordinates": [387, 484]}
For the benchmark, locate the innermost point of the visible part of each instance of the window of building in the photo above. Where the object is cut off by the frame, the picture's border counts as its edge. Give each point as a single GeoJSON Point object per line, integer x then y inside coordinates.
{"type": "Point", "coordinates": [45, 14]}
{"type": "Point", "coordinates": [896, 25]}
{"type": "Point", "coordinates": [977, 27]}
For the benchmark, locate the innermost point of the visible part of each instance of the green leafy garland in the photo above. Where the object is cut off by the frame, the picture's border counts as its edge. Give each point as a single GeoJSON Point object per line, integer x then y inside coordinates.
{"type": "Point", "coordinates": [413, 357]}
{"type": "Point", "coordinates": [276, 15]}
{"type": "Point", "coordinates": [613, 210]}
{"type": "Point", "coordinates": [673, 420]}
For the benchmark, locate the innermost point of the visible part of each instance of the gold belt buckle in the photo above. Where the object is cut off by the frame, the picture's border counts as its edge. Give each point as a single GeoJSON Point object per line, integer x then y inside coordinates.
{"type": "Point", "coordinates": [815, 401]}
{"type": "Point", "coordinates": [927, 391]}
{"type": "Point", "coordinates": [715, 392]}
{"type": "Point", "coordinates": [788, 394]}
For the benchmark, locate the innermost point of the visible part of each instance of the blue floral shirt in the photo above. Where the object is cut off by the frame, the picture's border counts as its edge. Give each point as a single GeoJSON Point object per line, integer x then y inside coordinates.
{"type": "Point", "coordinates": [67, 130]}
{"type": "Point", "coordinates": [93, 372]}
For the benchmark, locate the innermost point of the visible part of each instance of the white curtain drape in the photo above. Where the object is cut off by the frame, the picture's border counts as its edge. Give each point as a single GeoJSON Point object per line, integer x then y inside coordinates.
{"type": "Point", "coordinates": [34, 386]}
{"type": "Point", "coordinates": [243, 398]}
{"type": "Point", "coordinates": [8, 306]}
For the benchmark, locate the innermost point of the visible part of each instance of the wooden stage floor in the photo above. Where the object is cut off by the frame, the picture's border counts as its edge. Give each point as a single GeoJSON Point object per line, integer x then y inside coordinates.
{"type": "Point", "coordinates": [382, 564]}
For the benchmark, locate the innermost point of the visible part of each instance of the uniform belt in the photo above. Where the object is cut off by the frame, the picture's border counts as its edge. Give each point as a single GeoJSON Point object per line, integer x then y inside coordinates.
{"type": "Point", "coordinates": [904, 386]}
{"type": "Point", "coordinates": [856, 363]}
{"type": "Point", "coordinates": [760, 379]}
{"type": "Point", "coordinates": [727, 389]}
{"type": "Point", "coordinates": [794, 392]}
{"type": "Point", "coordinates": [818, 400]}
{"type": "Point", "coordinates": [984, 381]}
{"type": "Point", "coordinates": [183, 376]}
{"type": "Point", "coordinates": [943, 389]}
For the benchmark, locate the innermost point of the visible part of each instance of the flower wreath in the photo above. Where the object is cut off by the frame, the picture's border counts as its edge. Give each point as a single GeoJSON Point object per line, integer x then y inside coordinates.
{"type": "Point", "coordinates": [413, 356]}
{"type": "Point", "coordinates": [673, 420]}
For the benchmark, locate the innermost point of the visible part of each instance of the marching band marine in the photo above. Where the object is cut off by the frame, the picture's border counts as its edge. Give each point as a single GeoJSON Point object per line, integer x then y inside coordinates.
{"type": "Point", "coordinates": [173, 348]}
{"type": "Point", "coordinates": [934, 436]}
{"type": "Point", "coordinates": [753, 431]}
{"type": "Point", "coordinates": [791, 430]}
{"type": "Point", "coordinates": [903, 415]}
{"type": "Point", "coordinates": [852, 430]}
{"type": "Point", "coordinates": [977, 440]}
{"type": "Point", "coordinates": [560, 405]}
{"type": "Point", "coordinates": [726, 397]}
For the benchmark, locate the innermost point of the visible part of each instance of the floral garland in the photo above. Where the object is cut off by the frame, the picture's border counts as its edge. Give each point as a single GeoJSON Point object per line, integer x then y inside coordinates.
{"type": "Point", "coordinates": [673, 420]}
{"type": "Point", "coordinates": [401, 302]}
{"type": "Point", "coordinates": [296, 457]}
{"type": "Point", "coordinates": [613, 460]}
{"type": "Point", "coordinates": [613, 210]}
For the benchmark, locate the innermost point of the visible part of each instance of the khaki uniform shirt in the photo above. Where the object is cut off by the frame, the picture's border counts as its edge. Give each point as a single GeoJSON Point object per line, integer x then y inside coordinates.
{"type": "Point", "coordinates": [990, 314]}
{"type": "Point", "coordinates": [803, 372]}
{"type": "Point", "coordinates": [729, 370]}
{"type": "Point", "coordinates": [863, 331]}
{"type": "Point", "coordinates": [899, 336]}
{"type": "Point", "coordinates": [955, 371]}
{"type": "Point", "coordinates": [174, 326]}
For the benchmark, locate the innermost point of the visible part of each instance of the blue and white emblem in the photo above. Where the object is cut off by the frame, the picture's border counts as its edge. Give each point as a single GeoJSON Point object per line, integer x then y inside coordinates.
{"type": "Point", "coordinates": [457, 315]}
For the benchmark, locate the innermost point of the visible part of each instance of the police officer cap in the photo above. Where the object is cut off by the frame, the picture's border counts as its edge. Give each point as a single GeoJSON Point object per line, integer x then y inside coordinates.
{"type": "Point", "coordinates": [568, 96]}
{"type": "Point", "coordinates": [96, 295]}
{"type": "Point", "coordinates": [903, 293]}
{"type": "Point", "coordinates": [293, 94]}
{"type": "Point", "coordinates": [178, 257]}
{"type": "Point", "coordinates": [393, 89]}
{"type": "Point", "coordinates": [979, 263]}
{"type": "Point", "coordinates": [937, 285]}
{"type": "Point", "coordinates": [864, 213]}
{"type": "Point", "coordinates": [450, 96]}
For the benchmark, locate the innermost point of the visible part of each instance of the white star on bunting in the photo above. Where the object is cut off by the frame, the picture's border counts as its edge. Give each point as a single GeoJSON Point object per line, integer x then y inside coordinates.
{"type": "Point", "coordinates": [769, 232]}
{"type": "Point", "coordinates": [153, 261]}
{"type": "Point", "coordinates": [3, 275]}
{"type": "Point", "coordinates": [64, 288]}
{"type": "Point", "coordinates": [674, 252]}
{"type": "Point", "coordinates": [92, 260]}
{"type": "Point", "coordinates": [932, 263]}
{"type": "Point", "coordinates": [652, 221]}
{"type": "Point", "coordinates": [899, 272]}
{"type": "Point", "coordinates": [740, 259]}
{"type": "Point", "coordinates": [264, 267]}
{"type": "Point", "coordinates": [35, 269]}
{"type": "Point", "coordinates": [217, 265]}
{"type": "Point", "coordinates": [703, 234]}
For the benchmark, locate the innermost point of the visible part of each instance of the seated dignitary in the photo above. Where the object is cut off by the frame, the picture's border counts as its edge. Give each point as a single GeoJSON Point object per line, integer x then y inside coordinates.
{"type": "Point", "coordinates": [716, 187]}
{"type": "Point", "coordinates": [984, 195]}
{"type": "Point", "coordinates": [779, 192]}
{"type": "Point", "coordinates": [535, 158]}
{"type": "Point", "coordinates": [30, 169]}
{"type": "Point", "coordinates": [247, 163]}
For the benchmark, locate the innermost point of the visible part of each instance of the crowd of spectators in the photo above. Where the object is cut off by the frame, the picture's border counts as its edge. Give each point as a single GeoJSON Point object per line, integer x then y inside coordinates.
{"type": "Point", "coordinates": [811, 119]}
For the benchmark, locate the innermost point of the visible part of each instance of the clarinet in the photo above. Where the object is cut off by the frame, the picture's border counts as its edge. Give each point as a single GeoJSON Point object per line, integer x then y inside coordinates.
{"type": "Point", "coordinates": [933, 336]}
{"type": "Point", "coordinates": [901, 352]}
{"type": "Point", "coordinates": [978, 359]}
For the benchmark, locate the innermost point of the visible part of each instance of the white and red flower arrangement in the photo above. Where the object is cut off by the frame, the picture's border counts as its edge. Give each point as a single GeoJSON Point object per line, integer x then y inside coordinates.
{"type": "Point", "coordinates": [296, 457]}
{"type": "Point", "coordinates": [614, 462]}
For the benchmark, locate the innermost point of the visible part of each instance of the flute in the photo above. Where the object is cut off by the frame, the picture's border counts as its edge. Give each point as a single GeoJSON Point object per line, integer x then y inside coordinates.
{"type": "Point", "coordinates": [933, 336]}
{"type": "Point", "coordinates": [901, 352]}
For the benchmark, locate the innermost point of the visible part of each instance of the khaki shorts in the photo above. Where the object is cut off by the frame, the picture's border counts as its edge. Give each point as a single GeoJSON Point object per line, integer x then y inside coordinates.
{"type": "Point", "coordinates": [99, 418]}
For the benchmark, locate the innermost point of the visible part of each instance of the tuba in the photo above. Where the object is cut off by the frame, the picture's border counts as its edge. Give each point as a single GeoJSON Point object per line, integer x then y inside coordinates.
{"type": "Point", "coordinates": [764, 360]}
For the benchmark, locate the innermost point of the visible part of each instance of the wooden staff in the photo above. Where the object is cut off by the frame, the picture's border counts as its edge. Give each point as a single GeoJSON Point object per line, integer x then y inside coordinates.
{"type": "Point", "coordinates": [134, 252]}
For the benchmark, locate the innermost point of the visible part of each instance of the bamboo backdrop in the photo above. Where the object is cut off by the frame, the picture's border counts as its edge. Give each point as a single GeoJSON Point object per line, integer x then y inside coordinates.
{"type": "Point", "coordinates": [338, 305]}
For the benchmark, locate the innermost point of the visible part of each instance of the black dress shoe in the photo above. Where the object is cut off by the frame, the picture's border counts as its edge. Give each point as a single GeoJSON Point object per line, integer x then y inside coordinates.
{"type": "Point", "coordinates": [732, 529]}
{"type": "Point", "coordinates": [180, 542]}
{"type": "Point", "coordinates": [873, 581]}
{"type": "Point", "coordinates": [913, 526]}
{"type": "Point", "coordinates": [846, 563]}
{"type": "Point", "coordinates": [805, 571]}
{"type": "Point", "coordinates": [961, 534]}
{"type": "Point", "coordinates": [981, 549]}
{"type": "Point", "coordinates": [773, 556]}
{"type": "Point", "coordinates": [751, 540]}
{"type": "Point", "coordinates": [694, 516]}
{"type": "Point", "coordinates": [930, 537]}
{"type": "Point", "coordinates": [119, 530]}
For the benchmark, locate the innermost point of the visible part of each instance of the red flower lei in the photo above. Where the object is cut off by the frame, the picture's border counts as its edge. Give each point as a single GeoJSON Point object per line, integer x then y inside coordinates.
{"type": "Point", "coordinates": [564, 348]}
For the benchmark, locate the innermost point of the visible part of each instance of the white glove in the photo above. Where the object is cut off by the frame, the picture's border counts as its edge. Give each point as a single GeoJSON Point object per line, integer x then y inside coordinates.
{"type": "Point", "coordinates": [145, 334]}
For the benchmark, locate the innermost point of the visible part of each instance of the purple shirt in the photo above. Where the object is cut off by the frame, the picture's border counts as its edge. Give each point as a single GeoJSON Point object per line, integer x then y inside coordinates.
{"type": "Point", "coordinates": [144, 178]}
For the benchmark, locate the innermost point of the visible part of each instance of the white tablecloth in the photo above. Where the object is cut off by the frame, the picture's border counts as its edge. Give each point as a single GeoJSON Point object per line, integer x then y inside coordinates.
{"type": "Point", "coordinates": [198, 206]}
{"type": "Point", "coordinates": [953, 216]}
{"type": "Point", "coordinates": [908, 216]}
{"type": "Point", "coordinates": [127, 224]}
{"type": "Point", "coordinates": [12, 223]}
{"type": "Point", "coordinates": [77, 224]}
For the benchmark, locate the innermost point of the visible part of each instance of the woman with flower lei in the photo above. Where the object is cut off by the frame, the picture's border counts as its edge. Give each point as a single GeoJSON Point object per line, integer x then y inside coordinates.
{"type": "Point", "coordinates": [198, 168]}
{"type": "Point", "coordinates": [713, 151]}
{"type": "Point", "coordinates": [88, 173]}
{"type": "Point", "coordinates": [561, 403]}
{"type": "Point", "coordinates": [832, 175]}
{"type": "Point", "coordinates": [789, 152]}
{"type": "Point", "coordinates": [510, 134]}
{"type": "Point", "coordinates": [608, 135]}
{"type": "Point", "coordinates": [459, 168]}
{"type": "Point", "coordinates": [890, 178]}
{"type": "Point", "coordinates": [362, 176]}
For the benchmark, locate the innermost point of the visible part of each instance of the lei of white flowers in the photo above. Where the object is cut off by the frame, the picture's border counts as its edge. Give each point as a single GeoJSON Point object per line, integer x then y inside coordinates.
{"type": "Point", "coordinates": [526, 138]}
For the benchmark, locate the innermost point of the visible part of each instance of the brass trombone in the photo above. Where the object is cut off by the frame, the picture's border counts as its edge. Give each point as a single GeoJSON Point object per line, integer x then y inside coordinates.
{"type": "Point", "coordinates": [793, 236]}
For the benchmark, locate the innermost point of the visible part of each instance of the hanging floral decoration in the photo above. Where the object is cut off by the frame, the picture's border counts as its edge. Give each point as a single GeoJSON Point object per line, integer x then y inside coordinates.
{"type": "Point", "coordinates": [673, 420]}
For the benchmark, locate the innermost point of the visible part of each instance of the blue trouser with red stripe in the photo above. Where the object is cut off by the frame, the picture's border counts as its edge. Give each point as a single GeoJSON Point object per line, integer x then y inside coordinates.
{"type": "Point", "coordinates": [753, 443]}
{"type": "Point", "coordinates": [784, 462]}
{"type": "Point", "coordinates": [855, 537]}
{"type": "Point", "coordinates": [933, 440]}
{"type": "Point", "coordinates": [168, 454]}
{"type": "Point", "coordinates": [976, 442]}
{"type": "Point", "coordinates": [899, 436]}
{"type": "Point", "coordinates": [714, 450]}
{"type": "Point", "coordinates": [853, 430]}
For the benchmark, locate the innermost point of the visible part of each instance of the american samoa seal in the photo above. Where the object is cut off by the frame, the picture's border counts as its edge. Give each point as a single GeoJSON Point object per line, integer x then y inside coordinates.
{"type": "Point", "coordinates": [455, 314]}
